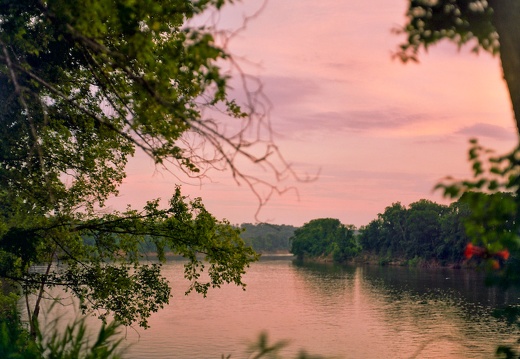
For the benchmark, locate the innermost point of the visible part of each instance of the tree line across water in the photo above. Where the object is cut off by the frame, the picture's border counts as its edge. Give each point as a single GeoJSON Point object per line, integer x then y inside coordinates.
{"type": "Point", "coordinates": [423, 232]}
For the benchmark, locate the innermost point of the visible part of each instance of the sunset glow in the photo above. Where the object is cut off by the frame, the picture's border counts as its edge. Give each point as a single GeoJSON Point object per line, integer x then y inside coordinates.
{"type": "Point", "coordinates": [376, 131]}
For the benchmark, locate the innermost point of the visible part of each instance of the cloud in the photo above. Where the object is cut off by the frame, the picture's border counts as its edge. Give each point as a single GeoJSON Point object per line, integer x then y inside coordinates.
{"type": "Point", "coordinates": [354, 121]}
{"type": "Point", "coordinates": [284, 91]}
{"type": "Point", "coordinates": [281, 92]}
{"type": "Point", "coordinates": [487, 130]}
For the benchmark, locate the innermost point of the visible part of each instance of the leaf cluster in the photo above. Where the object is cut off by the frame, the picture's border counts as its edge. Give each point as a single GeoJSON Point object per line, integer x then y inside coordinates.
{"type": "Point", "coordinates": [101, 262]}
{"type": "Point", "coordinates": [459, 21]}
{"type": "Point", "coordinates": [83, 85]}
{"type": "Point", "coordinates": [493, 199]}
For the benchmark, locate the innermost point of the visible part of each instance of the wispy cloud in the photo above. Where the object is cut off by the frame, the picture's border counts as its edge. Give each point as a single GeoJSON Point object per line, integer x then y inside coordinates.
{"type": "Point", "coordinates": [286, 91]}
{"type": "Point", "coordinates": [487, 130]}
{"type": "Point", "coordinates": [353, 121]}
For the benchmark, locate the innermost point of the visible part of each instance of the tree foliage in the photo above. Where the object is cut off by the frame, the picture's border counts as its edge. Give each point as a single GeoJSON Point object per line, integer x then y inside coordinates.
{"type": "Point", "coordinates": [325, 237]}
{"type": "Point", "coordinates": [492, 196]}
{"type": "Point", "coordinates": [83, 85]}
{"type": "Point", "coordinates": [425, 230]}
{"type": "Point", "coordinates": [460, 21]}
{"type": "Point", "coordinates": [491, 25]}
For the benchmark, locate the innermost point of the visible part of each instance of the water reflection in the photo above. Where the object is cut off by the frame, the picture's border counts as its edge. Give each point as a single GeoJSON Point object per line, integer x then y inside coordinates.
{"type": "Point", "coordinates": [467, 283]}
{"type": "Point", "coordinates": [325, 284]}
{"type": "Point", "coordinates": [340, 311]}
{"type": "Point", "coordinates": [416, 313]}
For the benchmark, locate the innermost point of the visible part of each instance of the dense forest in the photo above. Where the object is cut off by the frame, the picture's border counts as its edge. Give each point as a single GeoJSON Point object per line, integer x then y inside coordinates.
{"type": "Point", "coordinates": [422, 233]}
{"type": "Point", "coordinates": [425, 231]}
{"type": "Point", "coordinates": [262, 237]}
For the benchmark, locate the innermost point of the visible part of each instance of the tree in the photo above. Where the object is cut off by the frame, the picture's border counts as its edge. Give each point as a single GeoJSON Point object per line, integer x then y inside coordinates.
{"type": "Point", "coordinates": [394, 228]}
{"type": "Point", "coordinates": [369, 237]}
{"type": "Point", "coordinates": [83, 85]}
{"type": "Point", "coordinates": [492, 195]}
{"type": "Point", "coordinates": [324, 237]}
{"type": "Point", "coordinates": [424, 228]}
{"type": "Point", "coordinates": [493, 24]}
{"type": "Point", "coordinates": [453, 233]}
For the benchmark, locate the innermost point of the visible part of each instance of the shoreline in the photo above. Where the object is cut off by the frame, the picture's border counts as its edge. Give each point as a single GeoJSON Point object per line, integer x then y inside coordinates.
{"type": "Point", "coordinates": [373, 260]}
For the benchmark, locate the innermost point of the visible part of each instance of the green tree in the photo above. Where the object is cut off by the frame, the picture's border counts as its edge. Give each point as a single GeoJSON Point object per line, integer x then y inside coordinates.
{"type": "Point", "coordinates": [394, 231]}
{"type": "Point", "coordinates": [492, 25]}
{"type": "Point", "coordinates": [492, 197]}
{"type": "Point", "coordinates": [453, 233]}
{"type": "Point", "coordinates": [324, 237]}
{"type": "Point", "coordinates": [83, 85]}
{"type": "Point", "coordinates": [370, 236]}
{"type": "Point", "coordinates": [424, 228]}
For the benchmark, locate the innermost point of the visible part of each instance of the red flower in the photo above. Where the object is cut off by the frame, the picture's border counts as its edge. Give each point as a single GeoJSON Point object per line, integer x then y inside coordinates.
{"type": "Point", "coordinates": [472, 250]}
{"type": "Point", "coordinates": [495, 265]}
{"type": "Point", "coordinates": [504, 254]}
{"type": "Point", "coordinates": [468, 252]}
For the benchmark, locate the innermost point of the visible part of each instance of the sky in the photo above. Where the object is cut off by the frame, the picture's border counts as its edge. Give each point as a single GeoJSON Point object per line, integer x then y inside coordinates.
{"type": "Point", "coordinates": [368, 129]}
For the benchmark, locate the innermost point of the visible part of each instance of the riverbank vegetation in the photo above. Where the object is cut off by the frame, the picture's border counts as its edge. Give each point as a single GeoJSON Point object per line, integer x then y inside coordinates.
{"type": "Point", "coordinates": [84, 87]}
{"type": "Point", "coordinates": [325, 238]}
{"type": "Point", "coordinates": [423, 234]}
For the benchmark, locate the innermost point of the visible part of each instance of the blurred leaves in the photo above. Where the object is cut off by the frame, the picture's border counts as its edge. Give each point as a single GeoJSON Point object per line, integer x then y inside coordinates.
{"type": "Point", "coordinates": [263, 349]}
{"type": "Point", "coordinates": [492, 196]}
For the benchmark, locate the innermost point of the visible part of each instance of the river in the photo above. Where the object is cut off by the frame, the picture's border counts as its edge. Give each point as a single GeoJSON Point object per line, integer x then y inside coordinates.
{"type": "Point", "coordinates": [340, 311]}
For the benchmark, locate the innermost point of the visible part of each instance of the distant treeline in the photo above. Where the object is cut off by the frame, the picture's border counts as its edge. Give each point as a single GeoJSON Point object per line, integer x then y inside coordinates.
{"type": "Point", "coordinates": [424, 232]}
{"type": "Point", "coordinates": [268, 238]}
{"type": "Point", "coordinates": [262, 237]}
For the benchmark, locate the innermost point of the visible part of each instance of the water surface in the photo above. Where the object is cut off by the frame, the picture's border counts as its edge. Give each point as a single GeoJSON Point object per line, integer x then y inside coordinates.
{"type": "Point", "coordinates": [340, 311]}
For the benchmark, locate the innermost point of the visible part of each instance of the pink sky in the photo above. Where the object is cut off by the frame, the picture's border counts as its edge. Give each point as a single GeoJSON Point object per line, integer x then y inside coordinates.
{"type": "Point", "coordinates": [376, 130]}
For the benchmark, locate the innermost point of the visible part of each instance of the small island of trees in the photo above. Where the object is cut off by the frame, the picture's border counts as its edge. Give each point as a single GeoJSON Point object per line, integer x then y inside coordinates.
{"type": "Point", "coordinates": [325, 238]}
{"type": "Point", "coordinates": [423, 234]}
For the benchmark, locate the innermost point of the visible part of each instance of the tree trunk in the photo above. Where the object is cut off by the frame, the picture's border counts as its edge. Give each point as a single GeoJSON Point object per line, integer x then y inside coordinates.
{"type": "Point", "coordinates": [33, 319]}
{"type": "Point", "coordinates": [506, 19]}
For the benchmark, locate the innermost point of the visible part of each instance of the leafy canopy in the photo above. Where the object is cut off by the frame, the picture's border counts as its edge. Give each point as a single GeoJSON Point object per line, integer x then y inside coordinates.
{"type": "Point", "coordinates": [83, 85]}
{"type": "Point", "coordinates": [423, 231]}
{"type": "Point", "coordinates": [460, 21]}
{"type": "Point", "coordinates": [324, 237]}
